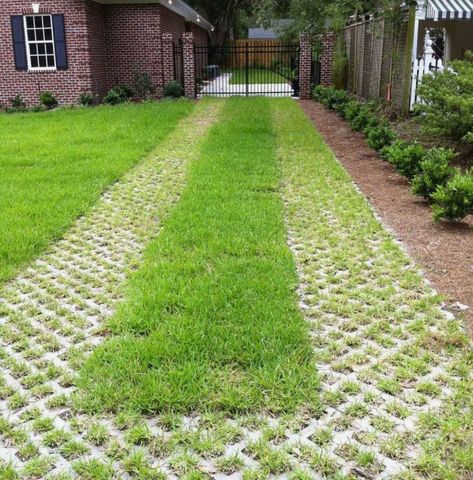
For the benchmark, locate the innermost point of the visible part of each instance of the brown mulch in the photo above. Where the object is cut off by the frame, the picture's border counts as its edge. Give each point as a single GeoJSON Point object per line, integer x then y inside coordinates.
{"type": "Point", "coordinates": [444, 250]}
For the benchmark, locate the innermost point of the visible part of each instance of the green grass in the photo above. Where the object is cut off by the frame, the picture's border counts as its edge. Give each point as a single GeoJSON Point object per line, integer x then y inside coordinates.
{"type": "Point", "coordinates": [255, 76]}
{"type": "Point", "coordinates": [54, 165]}
{"type": "Point", "coordinates": [210, 320]}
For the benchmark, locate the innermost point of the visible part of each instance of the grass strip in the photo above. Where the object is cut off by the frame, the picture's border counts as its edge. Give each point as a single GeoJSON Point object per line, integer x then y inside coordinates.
{"type": "Point", "coordinates": [256, 76]}
{"type": "Point", "coordinates": [211, 320]}
{"type": "Point", "coordinates": [55, 165]}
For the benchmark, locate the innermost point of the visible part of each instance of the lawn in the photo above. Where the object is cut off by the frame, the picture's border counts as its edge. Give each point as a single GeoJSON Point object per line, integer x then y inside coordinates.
{"type": "Point", "coordinates": [211, 319]}
{"type": "Point", "coordinates": [256, 76]}
{"type": "Point", "coordinates": [55, 165]}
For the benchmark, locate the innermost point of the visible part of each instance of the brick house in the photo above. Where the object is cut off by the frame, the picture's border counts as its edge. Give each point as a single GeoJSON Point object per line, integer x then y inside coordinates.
{"type": "Point", "coordinates": [70, 47]}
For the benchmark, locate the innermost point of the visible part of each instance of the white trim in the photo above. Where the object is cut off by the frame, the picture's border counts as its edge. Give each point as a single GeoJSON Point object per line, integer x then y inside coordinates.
{"type": "Point", "coordinates": [29, 43]}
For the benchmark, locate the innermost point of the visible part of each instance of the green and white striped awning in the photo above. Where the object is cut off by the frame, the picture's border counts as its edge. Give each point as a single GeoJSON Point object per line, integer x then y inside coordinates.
{"type": "Point", "coordinates": [450, 9]}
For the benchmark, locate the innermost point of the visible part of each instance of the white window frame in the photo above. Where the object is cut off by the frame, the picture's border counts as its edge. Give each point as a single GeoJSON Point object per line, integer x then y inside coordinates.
{"type": "Point", "coordinates": [37, 42]}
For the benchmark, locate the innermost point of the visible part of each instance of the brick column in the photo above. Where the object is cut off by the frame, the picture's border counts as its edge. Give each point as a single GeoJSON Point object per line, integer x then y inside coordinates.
{"type": "Point", "coordinates": [188, 64]}
{"type": "Point", "coordinates": [326, 59]}
{"type": "Point", "coordinates": [305, 66]}
{"type": "Point", "coordinates": [168, 58]}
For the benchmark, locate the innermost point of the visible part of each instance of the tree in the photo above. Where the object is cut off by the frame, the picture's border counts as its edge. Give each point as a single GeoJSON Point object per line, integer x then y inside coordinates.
{"type": "Point", "coordinates": [223, 15]}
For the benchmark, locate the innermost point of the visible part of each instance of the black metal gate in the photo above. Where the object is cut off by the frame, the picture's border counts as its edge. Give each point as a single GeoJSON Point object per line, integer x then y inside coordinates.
{"type": "Point", "coordinates": [247, 68]}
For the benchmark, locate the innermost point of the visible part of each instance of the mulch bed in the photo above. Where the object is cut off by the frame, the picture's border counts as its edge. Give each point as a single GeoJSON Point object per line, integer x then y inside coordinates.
{"type": "Point", "coordinates": [444, 250]}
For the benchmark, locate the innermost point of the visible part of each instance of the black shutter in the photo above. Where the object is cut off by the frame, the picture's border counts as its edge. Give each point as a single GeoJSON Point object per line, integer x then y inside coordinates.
{"type": "Point", "coordinates": [60, 42]}
{"type": "Point", "coordinates": [19, 43]}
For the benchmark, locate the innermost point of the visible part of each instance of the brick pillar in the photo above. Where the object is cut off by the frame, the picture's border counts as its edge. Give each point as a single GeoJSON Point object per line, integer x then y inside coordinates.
{"type": "Point", "coordinates": [305, 66]}
{"type": "Point", "coordinates": [168, 58]}
{"type": "Point", "coordinates": [326, 59]}
{"type": "Point", "coordinates": [188, 64]}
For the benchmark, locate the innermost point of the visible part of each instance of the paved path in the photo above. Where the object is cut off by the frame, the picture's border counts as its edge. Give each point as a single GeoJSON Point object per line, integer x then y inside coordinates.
{"type": "Point", "coordinates": [222, 87]}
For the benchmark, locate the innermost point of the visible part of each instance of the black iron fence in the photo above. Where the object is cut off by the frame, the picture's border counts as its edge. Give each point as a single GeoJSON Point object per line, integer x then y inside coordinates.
{"type": "Point", "coordinates": [248, 68]}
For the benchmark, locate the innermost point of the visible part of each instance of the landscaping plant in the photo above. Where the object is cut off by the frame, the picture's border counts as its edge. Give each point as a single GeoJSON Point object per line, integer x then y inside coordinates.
{"type": "Point", "coordinates": [48, 100]}
{"type": "Point", "coordinates": [143, 85]}
{"type": "Point", "coordinates": [119, 94]}
{"type": "Point", "coordinates": [380, 136]}
{"type": "Point", "coordinates": [447, 106]}
{"type": "Point", "coordinates": [406, 157]}
{"type": "Point", "coordinates": [435, 170]}
{"type": "Point", "coordinates": [454, 200]}
{"type": "Point", "coordinates": [17, 102]}
{"type": "Point", "coordinates": [173, 89]}
{"type": "Point", "coordinates": [86, 99]}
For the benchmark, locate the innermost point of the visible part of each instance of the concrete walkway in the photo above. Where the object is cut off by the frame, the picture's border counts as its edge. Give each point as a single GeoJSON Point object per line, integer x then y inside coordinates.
{"type": "Point", "coordinates": [222, 87]}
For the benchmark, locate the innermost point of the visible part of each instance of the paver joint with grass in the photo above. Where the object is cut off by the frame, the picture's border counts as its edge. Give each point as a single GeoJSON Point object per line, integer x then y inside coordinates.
{"type": "Point", "coordinates": [211, 319]}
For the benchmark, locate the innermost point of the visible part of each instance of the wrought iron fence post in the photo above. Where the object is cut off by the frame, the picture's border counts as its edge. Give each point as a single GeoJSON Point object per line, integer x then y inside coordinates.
{"type": "Point", "coordinates": [247, 72]}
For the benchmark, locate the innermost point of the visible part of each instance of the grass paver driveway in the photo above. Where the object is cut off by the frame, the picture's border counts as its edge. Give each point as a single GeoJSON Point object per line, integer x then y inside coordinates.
{"type": "Point", "coordinates": [55, 165]}
{"type": "Point", "coordinates": [393, 383]}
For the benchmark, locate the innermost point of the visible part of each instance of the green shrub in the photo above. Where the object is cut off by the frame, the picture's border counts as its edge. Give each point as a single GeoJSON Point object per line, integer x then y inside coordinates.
{"type": "Point", "coordinates": [406, 157]}
{"type": "Point", "coordinates": [86, 99]}
{"type": "Point", "coordinates": [351, 110]}
{"type": "Point", "coordinates": [435, 170]}
{"type": "Point", "coordinates": [173, 89]}
{"type": "Point", "coordinates": [118, 94]}
{"type": "Point", "coordinates": [447, 105]}
{"type": "Point", "coordinates": [48, 100]}
{"type": "Point", "coordinates": [17, 102]}
{"type": "Point", "coordinates": [454, 200]}
{"type": "Point", "coordinates": [331, 97]}
{"type": "Point", "coordinates": [365, 120]}
{"type": "Point", "coordinates": [143, 85]}
{"type": "Point", "coordinates": [380, 136]}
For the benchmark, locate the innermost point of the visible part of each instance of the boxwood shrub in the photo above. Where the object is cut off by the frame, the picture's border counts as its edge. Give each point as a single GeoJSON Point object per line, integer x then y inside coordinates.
{"type": "Point", "coordinates": [454, 200]}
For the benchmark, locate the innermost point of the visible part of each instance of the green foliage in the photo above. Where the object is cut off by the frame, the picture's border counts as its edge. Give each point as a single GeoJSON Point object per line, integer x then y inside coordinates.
{"type": "Point", "coordinates": [454, 200]}
{"type": "Point", "coordinates": [380, 136]}
{"type": "Point", "coordinates": [86, 99]}
{"type": "Point", "coordinates": [143, 84]}
{"type": "Point", "coordinates": [331, 97]}
{"type": "Point", "coordinates": [78, 153]}
{"type": "Point", "coordinates": [406, 157]}
{"type": "Point", "coordinates": [447, 101]}
{"type": "Point", "coordinates": [48, 100]}
{"type": "Point", "coordinates": [173, 89]}
{"type": "Point", "coordinates": [17, 102]}
{"type": "Point", "coordinates": [118, 94]}
{"type": "Point", "coordinates": [435, 170]}
{"type": "Point", "coordinates": [351, 110]}
{"type": "Point", "coordinates": [211, 321]}
{"type": "Point", "coordinates": [364, 120]}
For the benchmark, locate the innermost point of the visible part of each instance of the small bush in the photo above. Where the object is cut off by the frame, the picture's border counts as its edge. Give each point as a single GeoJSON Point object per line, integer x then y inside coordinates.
{"type": "Point", "coordinates": [48, 100]}
{"type": "Point", "coordinates": [365, 120]}
{"type": "Point", "coordinates": [331, 97]}
{"type": "Point", "coordinates": [86, 99]}
{"type": "Point", "coordinates": [435, 170]}
{"type": "Point", "coordinates": [173, 89]}
{"type": "Point", "coordinates": [17, 102]}
{"type": "Point", "coordinates": [380, 136]}
{"type": "Point", "coordinates": [446, 105]}
{"type": "Point", "coordinates": [351, 110]}
{"type": "Point", "coordinates": [143, 85]}
{"type": "Point", "coordinates": [118, 94]}
{"type": "Point", "coordinates": [454, 200]}
{"type": "Point", "coordinates": [406, 157]}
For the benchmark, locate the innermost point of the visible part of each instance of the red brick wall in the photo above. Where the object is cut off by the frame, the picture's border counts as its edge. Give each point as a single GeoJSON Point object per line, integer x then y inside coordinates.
{"type": "Point", "coordinates": [66, 85]}
{"type": "Point", "coordinates": [97, 47]}
{"type": "Point", "coordinates": [133, 34]}
{"type": "Point", "coordinates": [172, 23]}
{"type": "Point", "coordinates": [201, 35]}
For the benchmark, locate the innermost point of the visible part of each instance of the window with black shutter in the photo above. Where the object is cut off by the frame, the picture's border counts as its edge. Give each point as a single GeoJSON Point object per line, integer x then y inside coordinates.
{"type": "Point", "coordinates": [40, 49]}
